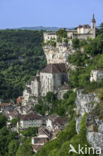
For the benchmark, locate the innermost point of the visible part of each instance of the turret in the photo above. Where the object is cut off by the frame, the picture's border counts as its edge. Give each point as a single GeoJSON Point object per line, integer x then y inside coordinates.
{"type": "Point", "coordinates": [93, 26]}
{"type": "Point", "coordinates": [93, 22]}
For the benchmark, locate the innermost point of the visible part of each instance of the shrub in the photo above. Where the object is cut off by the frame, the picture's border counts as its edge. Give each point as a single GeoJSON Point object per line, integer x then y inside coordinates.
{"type": "Point", "coordinates": [76, 43]}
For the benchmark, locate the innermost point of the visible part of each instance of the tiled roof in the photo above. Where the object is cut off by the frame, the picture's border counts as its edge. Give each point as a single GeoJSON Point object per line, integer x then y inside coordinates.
{"type": "Point", "coordinates": [55, 68]}
{"type": "Point", "coordinates": [61, 121]}
{"type": "Point", "coordinates": [43, 131]}
{"type": "Point", "coordinates": [31, 116]}
{"type": "Point", "coordinates": [84, 26]}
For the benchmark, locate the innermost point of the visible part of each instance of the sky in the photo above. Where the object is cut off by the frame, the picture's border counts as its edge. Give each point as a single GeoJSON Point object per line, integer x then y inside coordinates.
{"type": "Point", "coordinates": [59, 13]}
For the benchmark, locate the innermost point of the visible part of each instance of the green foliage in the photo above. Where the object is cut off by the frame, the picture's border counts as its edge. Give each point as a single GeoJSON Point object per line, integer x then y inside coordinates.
{"type": "Point", "coordinates": [50, 97]}
{"type": "Point", "coordinates": [13, 147]}
{"type": "Point", "coordinates": [3, 120]}
{"type": "Point", "coordinates": [51, 42]}
{"type": "Point", "coordinates": [61, 34]}
{"type": "Point", "coordinates": [14, 121]}
{"type": "Point", "coordinates": [83, 43]}
{"type": "Point", "coordinates": [25, 150]}
{"type": "Point", "coordinates": [79, 59]}
{"type": "Point", "coordinates": [47, 104]}
{"type": "Point", "coordinates": [95, 46]}
{"type": "Point", "coordinates": [101, 94]}
{"type": "Point", "coordinates": [6, 136]}
{"type": "Point", "coordinates": [66, 40]}
{"type": "Point", "coordinates": [21, 55]}
{"type": "Point", "coordinates": [51, 104]}
{"type": "Point", "coordinates": [76, 43]}
{"type": "Point", "coordinates": [100, 29]}
{"type": "Point", "coordinates": [30, 132]}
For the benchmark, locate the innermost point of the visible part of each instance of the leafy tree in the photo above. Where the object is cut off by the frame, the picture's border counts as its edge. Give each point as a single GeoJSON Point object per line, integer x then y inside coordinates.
{"type": "Point", "coordinates": [14, 121]}
{"type": "Point", "coordinates": [3, 120]}
{"type": "Point", "coordinates": [31, 131]}
{"type": "Point", "coordinates": [13, 147]}
{"type": "Point", "coordinates": [25, 150]}
{"type": "Point", "coordinates": [76, 43]}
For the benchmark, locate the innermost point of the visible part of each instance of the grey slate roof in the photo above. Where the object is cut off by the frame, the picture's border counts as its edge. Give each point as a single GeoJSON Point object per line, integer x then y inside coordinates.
{"type": "Point", "coordinates": [55, 68]}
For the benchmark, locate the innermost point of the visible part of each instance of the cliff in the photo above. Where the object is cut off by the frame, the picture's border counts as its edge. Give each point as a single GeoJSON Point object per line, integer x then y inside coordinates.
{"type": "Point", "coordinates": [58, 53]}
{"type": "Point", "coordinates": [89, 103]}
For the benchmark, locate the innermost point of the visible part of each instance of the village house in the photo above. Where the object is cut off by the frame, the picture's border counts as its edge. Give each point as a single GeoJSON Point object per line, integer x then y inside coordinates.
{"type": "Point", "coordinates": [13, 114]}
{"type": "Point", "coordinates": [55, 122]}
{"type": "Point", "coordinates": [30, 120]}
{"type": "Point", "coordinates": [43, 137]}
{"type": "Point", "coordinates": [5, 107]}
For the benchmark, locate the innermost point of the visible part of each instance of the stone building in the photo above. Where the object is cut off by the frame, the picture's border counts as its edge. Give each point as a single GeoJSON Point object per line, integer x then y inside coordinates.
{"type": "Point", "coordinates": [30, 120]}
{"type": "Point", "coordinates": [81, 32]}
{"type": "Point", "coordinates": [52, 77]}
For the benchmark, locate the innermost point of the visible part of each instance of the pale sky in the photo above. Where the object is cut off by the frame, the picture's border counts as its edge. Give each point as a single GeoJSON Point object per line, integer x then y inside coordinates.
{"type": "Point", "coordinates": [60, 13]}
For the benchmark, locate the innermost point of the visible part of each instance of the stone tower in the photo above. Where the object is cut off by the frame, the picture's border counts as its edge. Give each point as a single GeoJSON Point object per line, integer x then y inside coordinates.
{"type": "Point", "coordinates": [93, 26]}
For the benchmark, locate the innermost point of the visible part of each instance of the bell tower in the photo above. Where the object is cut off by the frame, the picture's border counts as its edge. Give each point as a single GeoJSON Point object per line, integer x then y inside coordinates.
{"type": "Point", "coordinates": [93, 26]}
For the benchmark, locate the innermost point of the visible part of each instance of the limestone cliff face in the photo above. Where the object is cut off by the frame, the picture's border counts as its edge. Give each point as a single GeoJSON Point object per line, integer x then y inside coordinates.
{"type": "Point", "coordinates": [95, 131]}
{"type": "Point", "coordinates": [86, 103]}
{"type": "Point", "coordinates": [58, 54]}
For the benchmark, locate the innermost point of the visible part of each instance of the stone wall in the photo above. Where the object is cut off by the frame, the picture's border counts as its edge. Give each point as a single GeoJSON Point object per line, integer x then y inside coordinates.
{"type": "Point", "coordinates": [47, 83]}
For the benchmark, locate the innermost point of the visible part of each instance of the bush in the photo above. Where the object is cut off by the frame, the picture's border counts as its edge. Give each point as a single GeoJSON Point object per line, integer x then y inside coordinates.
{"type": "Point", "coordinates": [76, 43]}
{"type": "Point", "coordinates": [30, 132]}
{"type": "Point", "coordinates": [62, 33]}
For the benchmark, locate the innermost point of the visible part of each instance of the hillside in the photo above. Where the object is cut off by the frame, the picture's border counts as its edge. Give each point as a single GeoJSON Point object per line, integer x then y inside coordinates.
{"type": "Point", "coordinates": [83, 105]}
{"type": "Point", "coordinates": [21, 55]}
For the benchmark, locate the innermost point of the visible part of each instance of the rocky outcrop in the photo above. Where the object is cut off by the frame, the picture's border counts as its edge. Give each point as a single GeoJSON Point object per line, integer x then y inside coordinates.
{"type": "Point", "coordinates": [58, 54]}
{"type": "Point", "coordinates": [95, 131]}
{"type": "Point", "coordinates": [85, 104]}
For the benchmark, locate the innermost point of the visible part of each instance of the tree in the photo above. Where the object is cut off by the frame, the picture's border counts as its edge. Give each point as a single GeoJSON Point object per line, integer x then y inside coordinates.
{"type": "Point", "coordinates": [14, 121]}
{"type": "Point", "coordinates": [30, 132]}
{"type": "Point", "coordinates": [12, 147]}
{"type": "Point", "coordinates": [2, 120]}
{"type": "Point", "coordinates": [25, 150]}
{"type": "Point", "coordinates": [76, 43]}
